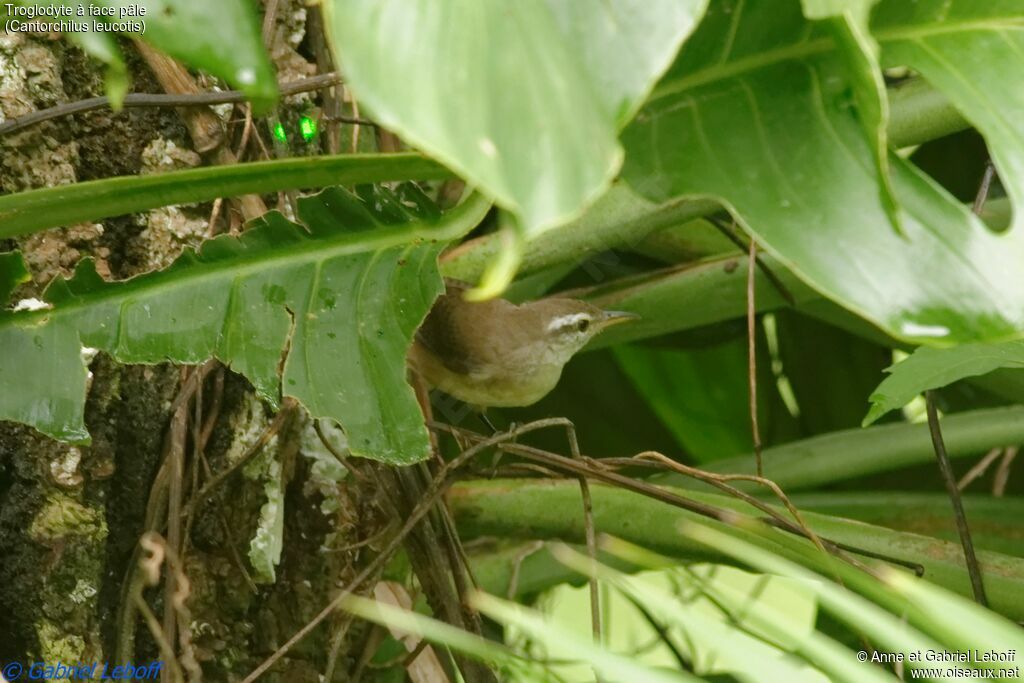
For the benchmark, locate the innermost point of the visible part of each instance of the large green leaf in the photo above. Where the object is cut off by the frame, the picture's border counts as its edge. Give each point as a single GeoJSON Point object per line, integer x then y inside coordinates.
{"type": "Point", "coordinates": [760, 111]}
{"type": "Point", "coordinates": [929, 368]}
{"type": "Point", "coordinates": [337, 304]}
{"type": "Point", "coordinates": [848, 21]}
{"type": "Point", "coordinates": [826, 459]}
{"type": "Point", "coordinates": [973, 52]}
{"type": "Point", "coordinates": [524, 99]}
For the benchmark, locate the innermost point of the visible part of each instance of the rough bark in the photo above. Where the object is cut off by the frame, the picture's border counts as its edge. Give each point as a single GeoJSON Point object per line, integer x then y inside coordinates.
{"type": "Point", "coordinates": [70, 517]}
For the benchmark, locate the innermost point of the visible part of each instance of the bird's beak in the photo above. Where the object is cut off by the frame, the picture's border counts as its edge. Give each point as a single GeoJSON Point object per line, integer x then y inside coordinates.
{"type": "Point", "coordinates": [615, 317]}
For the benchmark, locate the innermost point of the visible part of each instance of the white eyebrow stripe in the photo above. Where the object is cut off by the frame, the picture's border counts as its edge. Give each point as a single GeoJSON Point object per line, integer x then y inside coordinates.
{"type": "Point", "coordinates": [566, 321]}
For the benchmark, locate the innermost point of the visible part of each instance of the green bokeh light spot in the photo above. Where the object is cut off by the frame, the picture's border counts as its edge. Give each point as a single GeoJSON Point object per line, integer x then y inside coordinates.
{"type": "Point", "coordinates": [279, 132]}
{"type": "Point", "coordinates": [307, 128]}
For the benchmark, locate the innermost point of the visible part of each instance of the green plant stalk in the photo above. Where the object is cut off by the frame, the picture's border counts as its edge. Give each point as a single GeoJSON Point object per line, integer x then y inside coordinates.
{"type": "Point", "coordinates": [690, 296]}
{"type": "Point", "coordinates": [851, 453]}
{"type": "Point", "coordinates": [35, 210]}
{"type": "Point", "coordinates": [996, 523]}
{"type": "Point", "coordinates": [531, 509]}
{"type": "Point", "coordinates": [919, 112]}
{"type": "Point", "coordinates": [533, 569]}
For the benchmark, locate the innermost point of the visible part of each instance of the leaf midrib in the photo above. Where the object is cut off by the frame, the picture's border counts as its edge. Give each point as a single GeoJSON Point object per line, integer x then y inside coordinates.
{"type": "Point", "coordinates": [809, 48]}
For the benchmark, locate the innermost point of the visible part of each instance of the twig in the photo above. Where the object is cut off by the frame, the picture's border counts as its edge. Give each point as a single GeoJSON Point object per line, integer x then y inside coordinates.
{"type": "Point", "coordinates": [651, 491]}
{"type": "Point", "coordinates": [945, 467]}
{"type": "Point", "coordinates": [720, 481]}
{"type": "Point", "coordinates": [317, 36]}
{"type": "Point", "coordinates": [287, 407]}
{"type": "Point", "coordinates": [588, 526]}
{"type": "Point", "coordinates": [774, 519]}
{"type": "Point", "coordinates": [269, 20]}
{"type": "Point", "coordinates": [337, 640]}
{"type": "Point", "coordinates": [946, 470]}
{"type": "Point", "coordinates": [979, 469]}
{"type": "Point", "coordinates": [780, 287]}
{"type": "Point", "coordinates": [663, 634]}
{"type": "Point", "coordinates": [983, 188]}
{"type": "Point", "coordinates": [458, 566]}
{"type": "Point", "coordinates": [175, 472]}
{"type": "Point", "coordinates": [147, 571]}
{"type": "Point", "coordinates": [371, 644]}
{"type": "Point", "coordinates": [1003, 473]}
{"type": "Point", "coordinates": [355, 112]}
{"type": "Point", "coordinates": [437, 487]}
{"type": "Point", "coordinates": [209, 422]}
{"type": "Point", "coordinates": [215, 405]}
{"type": "Point", "coordinates": [156, 516]}
{"type": "Point", "coordinates": [369, 540]}
{"type": "Point", "coordinates": [134, 100]}
{"type": "Point", "coordinates": [204, 126]}
{"type": "Point", "coordinates": [517, 566]}
{"type": "Point", "coordinates": [345, 461]}
{"type": "Point", "coordinates": [755, 432]}
{"type": "Point", "coordinates": [179, 603]}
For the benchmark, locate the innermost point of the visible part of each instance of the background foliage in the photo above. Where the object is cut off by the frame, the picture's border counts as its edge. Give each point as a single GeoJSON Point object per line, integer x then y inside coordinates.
{"type": "Point", "coordinates": [607, 145]}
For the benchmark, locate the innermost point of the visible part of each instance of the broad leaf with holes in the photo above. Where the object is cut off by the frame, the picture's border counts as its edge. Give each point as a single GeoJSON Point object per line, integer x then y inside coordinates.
{"type": "Point", "coordinates": [763, 110]}
{"type": "Point", "coordinates": [524, 99]}
{"type": "Point", "coordinates": [336, 305]}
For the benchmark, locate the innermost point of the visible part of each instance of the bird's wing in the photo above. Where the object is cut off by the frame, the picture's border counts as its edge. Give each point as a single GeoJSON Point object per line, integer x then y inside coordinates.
{"type": "Point", "coordinates": [460, 334]}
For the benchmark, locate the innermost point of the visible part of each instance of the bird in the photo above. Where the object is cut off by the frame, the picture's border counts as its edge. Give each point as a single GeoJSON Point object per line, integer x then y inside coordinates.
{"type": "Point", "coordinates": [498, 354]}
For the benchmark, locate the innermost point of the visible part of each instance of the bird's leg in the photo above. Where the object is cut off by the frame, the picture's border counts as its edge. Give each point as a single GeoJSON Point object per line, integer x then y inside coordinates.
{"type": "Point", "coordinates": [517, 565]}
{"type": "Point", "coordinates": [498, 453]}
{"type": "Point", "coordinates": [482, 414]}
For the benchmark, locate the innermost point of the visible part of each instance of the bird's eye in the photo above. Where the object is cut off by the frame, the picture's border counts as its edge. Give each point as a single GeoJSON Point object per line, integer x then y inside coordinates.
{"type": "Point", "coordinates": [583, 325]}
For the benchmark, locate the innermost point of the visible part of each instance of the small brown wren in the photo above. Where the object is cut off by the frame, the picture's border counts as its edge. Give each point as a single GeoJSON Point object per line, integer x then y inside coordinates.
{"type": "Point", "coordinates": [496, 353]}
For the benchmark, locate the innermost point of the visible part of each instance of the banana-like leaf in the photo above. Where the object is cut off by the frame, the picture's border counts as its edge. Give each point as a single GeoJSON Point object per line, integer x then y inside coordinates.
{"type": "Point", "coordinates": [524, 99]}
{"type": "Point", "coordinates": [607, 665]}
{"type": "Point", "coordinates": [762, 110]}
{"type": "Point", "coordinates": [929, 368]}
{"type": "Point", "coordinates": [336, 305]}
